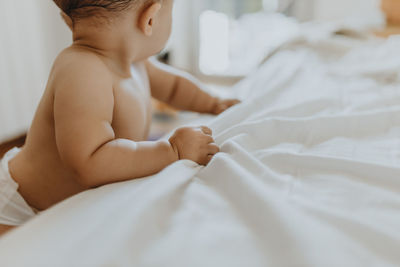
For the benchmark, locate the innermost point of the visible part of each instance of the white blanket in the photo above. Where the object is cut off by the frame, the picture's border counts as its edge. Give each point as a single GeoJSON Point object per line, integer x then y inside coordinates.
{"type": "Point", "coordinates": [309, 176]}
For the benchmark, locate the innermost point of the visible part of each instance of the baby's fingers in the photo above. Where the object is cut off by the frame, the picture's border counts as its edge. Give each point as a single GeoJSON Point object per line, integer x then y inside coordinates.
{"type": "Point", "coordinates": [206, 130]}
{"type": "Point", "coordinates": [213, 149]}
{"type": "Point", "coordinates": [209, 158]}
{"type": "Point", "coordinates": [232, 102]}
{"type": "Point", "coordinates": [209, 153]}
{"type": "Point", "coordinates": [220, 108]}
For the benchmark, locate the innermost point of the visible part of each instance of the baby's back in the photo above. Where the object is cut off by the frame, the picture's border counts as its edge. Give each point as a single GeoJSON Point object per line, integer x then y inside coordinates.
{"type": "Point", "coordinates": [40, 169]}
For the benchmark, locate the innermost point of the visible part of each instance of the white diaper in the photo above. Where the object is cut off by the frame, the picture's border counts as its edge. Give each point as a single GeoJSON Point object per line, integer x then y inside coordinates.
{"type": "Point", "coordinates": [13, 208]}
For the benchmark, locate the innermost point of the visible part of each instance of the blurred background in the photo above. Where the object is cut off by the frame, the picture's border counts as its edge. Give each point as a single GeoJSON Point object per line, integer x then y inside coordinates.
{"type": "Point", "coordinates": [209, 40]}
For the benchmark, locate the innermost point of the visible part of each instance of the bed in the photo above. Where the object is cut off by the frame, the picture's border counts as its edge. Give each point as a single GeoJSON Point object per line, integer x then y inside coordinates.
{"type": "Point", "coordinates": [309, 175]}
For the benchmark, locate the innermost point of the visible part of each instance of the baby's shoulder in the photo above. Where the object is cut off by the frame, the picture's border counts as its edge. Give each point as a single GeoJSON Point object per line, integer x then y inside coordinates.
{"type": "Point", "coordinates": [78, 76]}
{"type": "Point", "coordinates": [75, 65]}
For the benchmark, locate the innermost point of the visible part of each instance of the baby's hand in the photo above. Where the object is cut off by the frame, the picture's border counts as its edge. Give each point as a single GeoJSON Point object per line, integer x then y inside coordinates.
{"type": "Point", "coordinates": [194, 143]}
{"type": "Point", "coordinates": [223, 105]}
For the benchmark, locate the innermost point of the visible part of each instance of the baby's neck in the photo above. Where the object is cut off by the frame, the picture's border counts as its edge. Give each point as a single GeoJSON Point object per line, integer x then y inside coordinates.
{"type": "Point", "coordinates": [118, 51]}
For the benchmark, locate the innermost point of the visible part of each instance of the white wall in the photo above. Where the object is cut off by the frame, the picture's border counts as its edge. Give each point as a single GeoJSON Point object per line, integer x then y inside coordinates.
{"type": "Point", "coordinates": [57, 35]}
{"type": "Point", "coordinates": [365, 10]}
{"type": "Point", "coordinates": [303, 10]}
{"type": "Point", "coordinates": [182, 37]}
{"type": "Point", "coordinates": [31, 36]}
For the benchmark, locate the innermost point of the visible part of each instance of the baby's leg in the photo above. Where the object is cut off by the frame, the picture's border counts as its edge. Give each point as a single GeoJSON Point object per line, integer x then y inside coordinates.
{"type": "Point", "coordinates": [5, 228]}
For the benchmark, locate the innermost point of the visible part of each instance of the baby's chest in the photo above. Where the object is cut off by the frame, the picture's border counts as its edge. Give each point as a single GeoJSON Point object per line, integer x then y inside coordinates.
{"type": "Point", "coordinates": [132, 112]}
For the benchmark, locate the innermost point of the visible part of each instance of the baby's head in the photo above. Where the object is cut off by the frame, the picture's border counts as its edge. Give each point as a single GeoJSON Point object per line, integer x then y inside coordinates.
{"type": "Point", "coordinates": [150, 19]}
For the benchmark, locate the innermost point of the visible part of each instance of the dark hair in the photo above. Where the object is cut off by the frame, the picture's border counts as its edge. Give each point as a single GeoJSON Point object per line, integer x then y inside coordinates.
{"type": "Point", "coordinates": [77, 9]}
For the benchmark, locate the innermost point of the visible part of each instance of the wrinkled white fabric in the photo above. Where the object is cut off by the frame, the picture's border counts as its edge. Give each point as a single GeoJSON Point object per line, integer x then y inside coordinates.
{"type": "Point", "coordinates": [14, 210]}
{"type": "Point", "coordinates": [309, 175]}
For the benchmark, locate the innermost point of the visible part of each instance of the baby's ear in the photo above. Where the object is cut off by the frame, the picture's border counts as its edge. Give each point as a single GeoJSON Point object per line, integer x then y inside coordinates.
{"type": "Point", "coordinates": [67, 19]}
{"type": "Point", "coordinates": [147, 18]}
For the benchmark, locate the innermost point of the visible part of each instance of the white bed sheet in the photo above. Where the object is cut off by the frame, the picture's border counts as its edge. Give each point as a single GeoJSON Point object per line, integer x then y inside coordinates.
{"type": "Point", "coordinates": [309, 176]}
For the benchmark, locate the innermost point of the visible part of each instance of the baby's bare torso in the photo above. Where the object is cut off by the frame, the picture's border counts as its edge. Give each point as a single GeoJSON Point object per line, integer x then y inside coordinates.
{"type": "Point", "coordinates": [38, 169]}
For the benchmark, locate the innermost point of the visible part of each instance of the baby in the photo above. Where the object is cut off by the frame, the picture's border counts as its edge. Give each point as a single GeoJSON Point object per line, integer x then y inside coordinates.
{"type": "Point", "coordinates": [91, 126]}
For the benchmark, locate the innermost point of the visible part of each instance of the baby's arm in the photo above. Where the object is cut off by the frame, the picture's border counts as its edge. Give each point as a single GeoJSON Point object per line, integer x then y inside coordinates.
{"type": "Point", "coordinates": [182, 91]}
{"type": "Point", "coordinates": [83, 113]}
